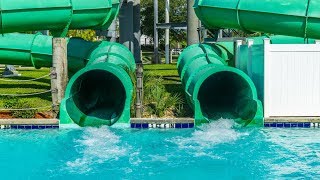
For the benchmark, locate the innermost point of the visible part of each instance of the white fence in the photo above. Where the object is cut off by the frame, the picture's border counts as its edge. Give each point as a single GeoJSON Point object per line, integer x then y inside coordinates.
{"type": "Point", "coordinates": [292, 80]}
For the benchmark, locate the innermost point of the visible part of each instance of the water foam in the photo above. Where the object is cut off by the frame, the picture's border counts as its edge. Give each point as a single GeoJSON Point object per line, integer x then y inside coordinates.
{"type": "Point", "coordinates": [97, 146]}
{"type": "Point", "coordinates": [209, 136]}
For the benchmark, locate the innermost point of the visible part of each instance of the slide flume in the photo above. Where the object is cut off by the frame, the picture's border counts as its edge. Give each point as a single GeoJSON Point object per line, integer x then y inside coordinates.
{"type": "Point", "coordinates": [215, 90]}
{"type": "Point", "coordinates": [300, 18]}
{"type": "Point", "coordinates": [100, 90]}
{"type": "Point", "coordinates": [214, 87]}
{"type": "Point", "coordinates": [56, 15]}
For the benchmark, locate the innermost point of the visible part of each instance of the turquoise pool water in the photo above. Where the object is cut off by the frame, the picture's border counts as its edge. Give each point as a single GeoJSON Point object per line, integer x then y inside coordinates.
{"type": "Point", "coordinates": [214, 150]}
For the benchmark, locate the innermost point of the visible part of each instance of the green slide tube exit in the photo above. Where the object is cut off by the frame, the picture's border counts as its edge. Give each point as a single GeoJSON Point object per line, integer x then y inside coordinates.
{"type": "Point", "coordinates": [99, 92]}
{"type": "Point", "coordinates": [215, 90]}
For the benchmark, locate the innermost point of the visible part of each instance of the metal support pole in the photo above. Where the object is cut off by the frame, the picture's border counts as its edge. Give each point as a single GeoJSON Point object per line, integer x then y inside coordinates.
{"type": "Point", "coordinates": [167, 38]}
{"type": "Point", "coordinates": [156, 35]}
{"type": "Point", "coordinates": [137, 31]}
{"type": "Point", "coordinates": [250, 58]}
{"type": "Point", "coordinates": [110, 34]}
{"type": "Point", "coordinates": [137, 56]}
{"type": "Point", "coordinates": [112, 31]}
{"type": "Point", "coordinates": [236, 51]}
{"type": "Point", "coordinates": [220, 35]}
{"type": "Point", "coordinates": [171, 54]}
{"type": "Point", "coordinates": [205, 33]}
{"type": "Point", "coordinates": [193, 23]}
{"type": "Point", "coordinates": [126, 25]}
{"type": "Point", "coordinates": [45, 32]}
{"type": "Point", "coordinates": [139, 91]}
{"type": "Point", "coordinates": [59, 72]}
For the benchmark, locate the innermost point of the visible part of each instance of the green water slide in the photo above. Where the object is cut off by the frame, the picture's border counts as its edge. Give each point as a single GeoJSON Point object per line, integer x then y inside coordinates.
{"type": "Point", "coordinates": [214, 87]}
{"type": "Point", "coordinates": [56, 15]}
{"type": "Point", "coordinates": [215, 90]}
{"type": "Point", "coordinates": [300, 18]}
{"type": "Point", "coordinates": [99, 92]}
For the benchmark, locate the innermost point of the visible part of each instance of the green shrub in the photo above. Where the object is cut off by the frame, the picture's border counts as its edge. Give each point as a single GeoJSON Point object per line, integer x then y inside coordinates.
{"type": "Point", "coordinates": [14, 103]}
{"type": "Point", "coordinates": [86, 34]}
{"type": "Point", "coordinates": [10, 102]}
{"type": "Point", "coordinates": [133, 101]}
{"type": "Point", "coordinates": [158, 101]}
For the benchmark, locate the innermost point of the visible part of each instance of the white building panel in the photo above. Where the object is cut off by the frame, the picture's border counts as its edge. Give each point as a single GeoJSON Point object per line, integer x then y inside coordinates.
{"type": "Point", "coordinates": [292, 80]}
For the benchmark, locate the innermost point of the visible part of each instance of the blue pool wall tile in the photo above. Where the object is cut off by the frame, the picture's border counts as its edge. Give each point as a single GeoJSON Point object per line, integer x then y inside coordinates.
{"type": "Point", "coordinates": [291, 125]}
{"type": "Point", "coordinates": [184, 125]}
{"type": "Point", "coordinates": [280, 125]}
{"type": "Point", "coordinates": [191, 125]}
{"type": "Point", "coordinates": [287, 125]}
{"type": "Point", "coordinates": [133, 125]}
{"type": "Point", "coordinates": [35, 127]}
{"type": "Point", "coordinates": [138, 125]}
{"type": "Point", "coordinates": [307, 125]}
{"type": "Point", "coordinates": [29, 126]}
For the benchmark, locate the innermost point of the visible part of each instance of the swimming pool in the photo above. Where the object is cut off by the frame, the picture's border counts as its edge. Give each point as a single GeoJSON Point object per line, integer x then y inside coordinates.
{"type": "Point", "coordinates": [214, 150]}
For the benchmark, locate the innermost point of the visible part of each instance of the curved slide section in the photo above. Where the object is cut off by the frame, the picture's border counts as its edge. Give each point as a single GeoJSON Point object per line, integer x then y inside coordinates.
{"type": "Point", "coordinates": [299, 18]}
{"type": "Point", "coordinates": [215, 90]}
{"type": "Point", "coordinates": [56, 15]}
{"type": "Point", "coordinates": [99, 92]}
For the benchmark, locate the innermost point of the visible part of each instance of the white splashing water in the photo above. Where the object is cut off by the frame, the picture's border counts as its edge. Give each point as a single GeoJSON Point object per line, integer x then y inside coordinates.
{"type": "Point", "coordinates": [208, 136]}
{"type": "Point", "coordinates": [97, 146]}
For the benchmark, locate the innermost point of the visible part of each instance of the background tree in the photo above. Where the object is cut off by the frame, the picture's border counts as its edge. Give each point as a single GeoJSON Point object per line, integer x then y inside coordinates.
{"type": "Point", "coordinates": [178, 13]}
{"type": "Point", "coordinates": [89, 35]}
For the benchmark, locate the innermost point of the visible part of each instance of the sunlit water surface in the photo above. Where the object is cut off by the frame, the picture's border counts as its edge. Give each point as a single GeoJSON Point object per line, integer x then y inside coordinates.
{"type": "Point", "coordinates": [215, 150]}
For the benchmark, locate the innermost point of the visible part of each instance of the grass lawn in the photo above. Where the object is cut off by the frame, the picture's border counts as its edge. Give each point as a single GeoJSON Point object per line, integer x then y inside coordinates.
{"type": "Point", "coordinates": [28, 87]}
{"type": "Point", "coordinates": [168, 72]}
{"type": "Point", "coordinates": [172, 81]}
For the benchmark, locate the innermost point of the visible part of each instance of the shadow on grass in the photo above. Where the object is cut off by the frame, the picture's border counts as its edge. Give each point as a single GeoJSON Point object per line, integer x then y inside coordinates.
{"type": "Point", "coordinates": [175, 88]}
{"type": "Point", "coordinates": [160, 69]}
{"type": "Point", "coordinates": [10, 88]}
{"type": "Point", "coordinates": [172, 78]}
{"type": "Point", "coordinates": [17, 79]}
{"type": "Point", "coordinates": [25, 86]}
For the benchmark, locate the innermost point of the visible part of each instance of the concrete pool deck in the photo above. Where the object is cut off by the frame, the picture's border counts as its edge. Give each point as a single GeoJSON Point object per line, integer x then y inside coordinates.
{"type": "Point", "coordinates": [162, 123]}
{"type": "Point", "coordinates": [293, 119]}
{"type": "Point", "coordinates": [29, 123]}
